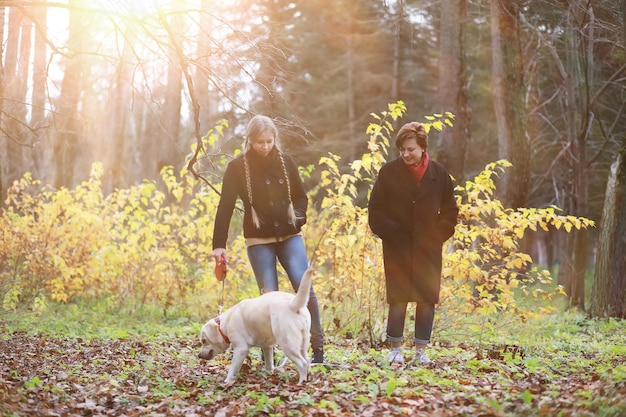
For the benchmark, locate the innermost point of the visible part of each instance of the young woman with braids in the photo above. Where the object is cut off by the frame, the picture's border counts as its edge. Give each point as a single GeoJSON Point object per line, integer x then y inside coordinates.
{"type": "Point", "coordinates": [275, 203]}
{"type": "Point", "coordinates": [413, 210]}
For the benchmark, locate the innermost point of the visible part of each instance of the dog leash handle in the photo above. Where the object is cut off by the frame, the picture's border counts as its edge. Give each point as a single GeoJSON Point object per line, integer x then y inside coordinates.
{"type": "Point", "coordinates": [220, 268]}
{"type": "Point", "coordinates": [220, 274]}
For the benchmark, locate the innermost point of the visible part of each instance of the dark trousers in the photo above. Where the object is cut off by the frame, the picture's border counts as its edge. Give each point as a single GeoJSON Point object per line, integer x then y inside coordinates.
{"type": "Point", "coordinates": [424, 317]}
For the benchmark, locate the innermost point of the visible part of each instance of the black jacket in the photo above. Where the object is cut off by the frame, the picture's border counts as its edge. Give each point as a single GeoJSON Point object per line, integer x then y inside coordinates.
{"type": "Point", "coordinates": [269, 194]}
{"type": "Point", "coordinates": [413, 222]}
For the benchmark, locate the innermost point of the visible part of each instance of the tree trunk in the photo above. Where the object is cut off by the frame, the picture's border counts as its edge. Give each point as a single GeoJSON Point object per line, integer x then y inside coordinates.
{"type": "Point", "coordinates": [39, 73]}
{"type": "Point", "coordinates": [624, 21]}
{"type": "Point", "coordinates": [68, 126]}
{"type": "Point", "coordinates": [352, 88]}
{"type": "Point", "coordinates": [510, 109]}
{"type": "Point", "coordinates": [116, 154]}
{"type": "Point", "coordinates": [201, 78]}
{"type": "Point", "coordinates": [452, 86]}
{"type": "Point", "coordinates": [25, 161]}
{"type": "Point", "coordinates": [168, 153]}
{"type": "Point", "coordinates": [26, 29]}
{"type": "Point", "coordinates": [4, 155]}
{"type": "Point", "coordinates": [15, 135]}
{"type": "Point", "coordinates": [395, 67]}
{"type": "Point", "coordinates": [579, 117]}
{"type": "Point", "coordinates": [609, 285]}
{"type": "Point", "coordinates": [12, 43]}
{"type": "Point", "coordinates": [10, 96]}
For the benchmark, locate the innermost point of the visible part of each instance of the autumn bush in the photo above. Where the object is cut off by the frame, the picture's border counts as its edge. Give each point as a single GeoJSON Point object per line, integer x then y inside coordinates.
{"type": "Point", "coordinates": [150, 245]}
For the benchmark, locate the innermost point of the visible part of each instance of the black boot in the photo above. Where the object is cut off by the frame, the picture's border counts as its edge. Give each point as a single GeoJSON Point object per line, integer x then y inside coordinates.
{"type": "Point", "coordinates": [317, 336]}
{"type": "Point", "coordinates": [318, 355]}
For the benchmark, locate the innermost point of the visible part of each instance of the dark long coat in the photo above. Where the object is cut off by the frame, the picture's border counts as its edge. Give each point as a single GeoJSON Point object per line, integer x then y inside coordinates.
{"type": "Point", "coordinates": [269, 194]}
{"type": "Point", "coordinates": [413, 222]}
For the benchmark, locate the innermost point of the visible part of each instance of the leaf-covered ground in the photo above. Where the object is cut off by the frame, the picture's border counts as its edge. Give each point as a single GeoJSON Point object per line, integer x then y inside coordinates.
{"type": "Point", "coordinates": [575, 374]}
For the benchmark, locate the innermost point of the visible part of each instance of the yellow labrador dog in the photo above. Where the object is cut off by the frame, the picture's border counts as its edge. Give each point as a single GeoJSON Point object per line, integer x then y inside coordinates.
{"type": "Point", "coordinates": [275, 317]}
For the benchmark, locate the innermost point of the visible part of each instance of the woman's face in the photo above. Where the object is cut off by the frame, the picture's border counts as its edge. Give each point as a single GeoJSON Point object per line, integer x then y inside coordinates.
{"type": "Point", "coordinates": [263, 144]}
{"type": "Point", "coordinates": [411, 152]}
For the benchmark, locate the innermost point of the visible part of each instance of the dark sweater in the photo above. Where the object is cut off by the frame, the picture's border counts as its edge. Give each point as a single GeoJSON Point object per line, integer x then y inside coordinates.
{"type": "Point", "coordinates": [269, 195]}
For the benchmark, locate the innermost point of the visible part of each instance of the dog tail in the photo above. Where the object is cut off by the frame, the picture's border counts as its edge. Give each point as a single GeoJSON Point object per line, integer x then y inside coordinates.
{"type": "Point", "coordinates": [302, 296]}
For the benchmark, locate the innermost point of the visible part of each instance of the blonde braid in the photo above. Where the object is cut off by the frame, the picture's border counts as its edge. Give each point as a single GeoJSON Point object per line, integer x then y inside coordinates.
{"type": "Point", "coordinates": [255, 217]}
{"type": "Point", "coordinates": [290, 210]}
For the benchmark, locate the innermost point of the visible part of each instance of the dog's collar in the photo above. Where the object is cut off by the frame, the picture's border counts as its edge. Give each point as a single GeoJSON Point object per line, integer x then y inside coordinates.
{"type": "Point", "coordinates": [219, 329]}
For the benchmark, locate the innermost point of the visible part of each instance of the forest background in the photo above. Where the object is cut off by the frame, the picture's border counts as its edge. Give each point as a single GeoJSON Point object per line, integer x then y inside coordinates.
{"type": "Point", "coordinates": [138, 85]}
{"type": "Point", "coordinates": [118, 117]}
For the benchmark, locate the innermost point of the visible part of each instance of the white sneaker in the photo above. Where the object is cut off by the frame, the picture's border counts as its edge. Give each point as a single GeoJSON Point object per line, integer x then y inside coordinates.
{"type": "Point", "coordinates": [420, 356]}
{"type": "Point", "coordinates": [395, 356]}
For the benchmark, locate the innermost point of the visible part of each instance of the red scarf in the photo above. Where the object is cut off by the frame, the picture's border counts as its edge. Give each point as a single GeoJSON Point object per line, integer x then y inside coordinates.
{"type": "Point", "coordinates": [420, 169]}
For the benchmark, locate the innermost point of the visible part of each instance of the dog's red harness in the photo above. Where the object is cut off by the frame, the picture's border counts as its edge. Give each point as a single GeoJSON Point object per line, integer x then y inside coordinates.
{"type": "Point", "coordinates": [219, 329]}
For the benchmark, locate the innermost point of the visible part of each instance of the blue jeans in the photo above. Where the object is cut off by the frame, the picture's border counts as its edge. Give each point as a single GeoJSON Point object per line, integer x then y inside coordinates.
{"type": "Point", "coordinates": [292, 256]}
{"type": "Point", "coordinates": [424, 317]}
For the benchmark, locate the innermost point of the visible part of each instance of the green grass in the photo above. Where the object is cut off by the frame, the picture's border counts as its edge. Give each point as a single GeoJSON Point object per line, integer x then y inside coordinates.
{"type": "Point", "coordinates": [98, 320]}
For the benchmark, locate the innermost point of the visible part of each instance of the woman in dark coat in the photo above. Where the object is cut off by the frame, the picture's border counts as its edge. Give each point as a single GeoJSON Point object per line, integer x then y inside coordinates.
{"type": "Point", "coordinates": [275, 204]}
{"type": "Point", "coordinates": [413, 210]}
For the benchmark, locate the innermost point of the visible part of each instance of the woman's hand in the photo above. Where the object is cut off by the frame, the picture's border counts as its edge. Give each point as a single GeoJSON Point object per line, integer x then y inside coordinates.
{"type": "Point", "coordinates": [218, 252]}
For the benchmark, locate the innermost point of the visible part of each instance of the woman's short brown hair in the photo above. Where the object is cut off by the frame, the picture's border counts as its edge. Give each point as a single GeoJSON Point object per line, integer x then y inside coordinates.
{"type": "Point", "coordinates": [412, 130]}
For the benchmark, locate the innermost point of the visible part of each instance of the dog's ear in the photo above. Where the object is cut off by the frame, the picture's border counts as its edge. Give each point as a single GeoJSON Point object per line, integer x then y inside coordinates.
{"type": "Point", "coordinates": [203, 334]}
{"type": "Point", "coordinates": [211, 332]}
{"type": "Point", "coordinates": [206, 351]}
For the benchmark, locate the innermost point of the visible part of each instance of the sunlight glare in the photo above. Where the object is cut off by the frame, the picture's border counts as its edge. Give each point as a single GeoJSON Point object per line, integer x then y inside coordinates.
{"type": "Point", "coordinates": [142, 8]}
{"type": "Point", "coordinates": [137, 8]}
